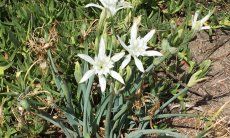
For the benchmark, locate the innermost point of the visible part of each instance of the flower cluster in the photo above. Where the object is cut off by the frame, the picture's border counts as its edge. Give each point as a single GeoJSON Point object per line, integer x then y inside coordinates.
{"type": "Point", "coordinates": [138, 46]}
{"type": "Point", "coordinates": [198, 25]}
{"type": "Point", "coordinates": [111, 5]}
{"type": "Point", "coordinates": [102, 65]}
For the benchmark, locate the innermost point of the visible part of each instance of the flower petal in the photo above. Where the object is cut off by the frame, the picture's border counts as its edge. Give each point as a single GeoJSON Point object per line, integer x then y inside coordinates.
{"type": "Point", "coordinates": [102, 82]}
{"type": "Point", "coordinates": [103, 3]}
{"type": "Point", "coordinates": [139, 64]}
{"type": "Point", "coordinates": [87, 75]}
{"type": "Point", "coordinates": [101, 52]}
{"type": "Point", "coordinates": [205, 27]}
{"type": "Point", "coordinates": [148, 36]}
{"type": "Point", "coordinates": [194, 18]}
{"type": "Point", "coordinates": [94, 5]}
{"type": "Point", "coordinates": [203, 20]}
{"type": "Point", "coordinates": [123, 5]}
{"type": "Point", "coordinates": [122, 43]}
{"type": "Point", "coordinates": [126, 61]}
{"type": "Point", "coordinates": [112, 10]}
{"type": "Point", "coordinates": [133, 32]}
{"type": "Point", "coordinates": [152, 53]}
{"type": "Point", "coordinates": [86, 58]}
{"type": "Point", "coordinates": [117, 56]}
{"type": "Point", "coordinates": [117, 76]}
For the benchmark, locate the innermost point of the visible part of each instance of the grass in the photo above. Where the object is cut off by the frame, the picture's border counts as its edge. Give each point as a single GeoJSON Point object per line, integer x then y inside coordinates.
{"type": "Point", "coordinates": [40, 72]}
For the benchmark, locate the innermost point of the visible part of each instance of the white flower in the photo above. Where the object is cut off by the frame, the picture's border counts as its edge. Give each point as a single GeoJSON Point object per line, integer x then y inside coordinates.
{"type": "Point", "coordinates": [137, 46]}
{"type": "Point", "coordinates": [198, 25]}
{"type": "Point", "coordinates": [111, 5]}
{"type": "Point", "coordinates": [102, 66]}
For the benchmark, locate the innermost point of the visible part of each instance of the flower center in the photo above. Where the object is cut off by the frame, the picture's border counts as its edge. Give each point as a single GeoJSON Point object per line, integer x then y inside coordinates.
{"type": "Point", "coordinates": [102, 66]}
{"type": "Point", "coordinates": [137, 48]}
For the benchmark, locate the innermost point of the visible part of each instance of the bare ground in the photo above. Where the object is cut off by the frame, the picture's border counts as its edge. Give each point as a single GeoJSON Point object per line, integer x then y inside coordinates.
{"type": "Point", "coordinates": [215, 91]}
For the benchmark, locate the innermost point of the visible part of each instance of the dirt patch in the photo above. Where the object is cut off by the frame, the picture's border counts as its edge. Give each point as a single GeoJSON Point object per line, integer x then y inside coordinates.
{"type": "Point", "coordinates": [215, 91]}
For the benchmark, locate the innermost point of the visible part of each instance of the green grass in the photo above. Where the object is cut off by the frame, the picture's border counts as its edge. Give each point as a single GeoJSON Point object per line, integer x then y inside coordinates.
{"type": "Point", "coordinates": [39, 68]}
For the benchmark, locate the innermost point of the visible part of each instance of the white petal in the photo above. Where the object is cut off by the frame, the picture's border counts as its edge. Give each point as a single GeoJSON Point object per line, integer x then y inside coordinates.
{"type": "Point", "coordinates": [94, 5]}
{"type": "Point", "coordinates": [152, 53]}
{"type": "Point", "coordinates": [123, 5]}
{"type": "Point", "coordinates": [102, 82]}
{"type": "Point", "coordinates": [117, 76]}
{"type": "Point", "coordinates": [87, 75]}
{"type": "Point", "coordinates": [112, 10]}
{"type": "Point", "coordinates": [133, 33]}
{"type": "Point", "coordinates": [205, 27]}
{"type": "Point", "coordinates": [117, 56]}
{"type": "Point", "coordinates": [122, 43]}
{"type": "Point", "coordinates": [101, 52]}
{"type": "Point", "coordinates": [194, 19]}
{"type": "Point", "coordinates": [103, 3]}
{"type": "Point", "coordinates": [86, 58]}
{"type": "Point", "coordinates": [205, 18]}
{"type": "Point", "coordinates": [126, 61]}
{"type": "Point", "coordinates": [149, 35]}
{"type": "Point", "coordinates": [139, 64]}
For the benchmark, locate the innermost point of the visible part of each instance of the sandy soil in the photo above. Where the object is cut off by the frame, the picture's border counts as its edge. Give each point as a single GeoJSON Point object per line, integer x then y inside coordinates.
{"type": "Point", "coordinates": [215, 91]}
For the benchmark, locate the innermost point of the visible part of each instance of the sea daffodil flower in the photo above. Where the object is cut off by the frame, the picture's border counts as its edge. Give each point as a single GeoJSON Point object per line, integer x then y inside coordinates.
{"type": "Point", "coordinates": [198, 25]}
{"type": "Point", "coordinates": [137, 46]}
{"type": "Point", "coordinates": [111, 5]}
{"type": "Point", "coordinates": [102, 66]}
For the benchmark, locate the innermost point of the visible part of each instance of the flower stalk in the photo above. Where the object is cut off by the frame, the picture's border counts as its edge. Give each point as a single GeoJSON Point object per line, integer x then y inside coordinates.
{"type": "Point", "coordinates": [109, 112]}
{"type": "Point", "coordinates": [101, 27]}
{"type": "Point", "coordinates": [102, 20]}
{"type": "Point", "coordinates": [86, 102]}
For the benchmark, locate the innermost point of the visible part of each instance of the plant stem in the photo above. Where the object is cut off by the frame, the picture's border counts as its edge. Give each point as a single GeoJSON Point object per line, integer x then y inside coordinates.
{"type": "Point", "coordinates": [86, 102]}
{"type": "Point", "coordinates": [101, 25]}
{"type": "Point", "coordinates": [108, 115]}
{"type": "Point", "coordinates": [170, 100]}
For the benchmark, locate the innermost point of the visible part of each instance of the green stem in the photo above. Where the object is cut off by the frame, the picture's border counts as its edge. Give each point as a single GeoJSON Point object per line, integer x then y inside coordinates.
{"type": "Point", "coordinates": [108, 115]}
{"type": "Point", "coordinates": [101, 25]}
{"type": "Point", "coordinates": [86, 102]}
{"type": "Point", "coordinates": [170, 100]}
{"type": "Point", "coordinates": [60, 82]}
{"type": "Point", "coordinates": [182, 105]}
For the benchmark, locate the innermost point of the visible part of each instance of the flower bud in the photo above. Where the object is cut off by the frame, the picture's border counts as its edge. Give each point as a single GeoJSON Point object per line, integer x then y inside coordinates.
{"type": "Point", "coordinates": [102, 19]}
{"type": "Point", "coordinates": [25, 104]}
{"type": "Point", "coordinates": [1, 71]}
{"type": "Point", "coordinates": [77, 72]}
{"type": "Point", "coordinates": [128, 73]}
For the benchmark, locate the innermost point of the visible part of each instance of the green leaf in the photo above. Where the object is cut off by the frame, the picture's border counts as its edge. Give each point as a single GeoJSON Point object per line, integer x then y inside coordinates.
{"type": "Point", "coordinates": [3, 68]}
{"type": "Point", "coordinates": [195, 78]}
{"type": "Point", "coordinates": [61, 83]}
{"type": "Point", "coordinates": [69, 133]}
{"type": "Point", "coordinates": [167, 48]}
{"type": "Point", "coordinates": [204, 66]}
